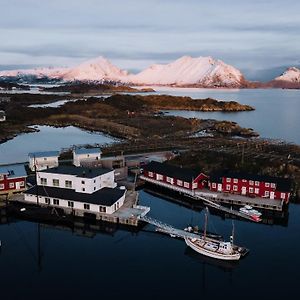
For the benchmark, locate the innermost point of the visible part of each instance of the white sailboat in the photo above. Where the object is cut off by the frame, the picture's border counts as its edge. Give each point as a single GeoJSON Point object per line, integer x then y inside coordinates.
{"type": "Point", "coordinates": [214, 248]}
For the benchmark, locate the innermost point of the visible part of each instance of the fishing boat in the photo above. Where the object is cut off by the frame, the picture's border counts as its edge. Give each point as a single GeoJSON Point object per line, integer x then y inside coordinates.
{"type": "Point", "coordinates": [215, 248]}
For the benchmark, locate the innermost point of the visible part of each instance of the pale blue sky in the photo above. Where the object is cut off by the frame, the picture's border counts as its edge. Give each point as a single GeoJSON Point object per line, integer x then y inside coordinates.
{"type": "Point", "coordinates": [133, 34]}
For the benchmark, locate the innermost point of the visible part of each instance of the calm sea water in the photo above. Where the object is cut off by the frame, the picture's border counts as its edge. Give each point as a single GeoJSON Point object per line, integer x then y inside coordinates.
{"type": "Point", "coordinates": [146, 264]}
{"type": "Point", "coordinates": [276, 112]}
{"type": "Point", "coordinates": [123, 264]}
{"type": "Point", "coordinates": [47, 139]}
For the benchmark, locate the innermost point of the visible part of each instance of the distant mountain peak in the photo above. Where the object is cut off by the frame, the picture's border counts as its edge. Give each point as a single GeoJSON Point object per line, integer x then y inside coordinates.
{"type": "Point", "coordinates": [291, 74]}
{"type": "Point", "coordinates": [188, 71]}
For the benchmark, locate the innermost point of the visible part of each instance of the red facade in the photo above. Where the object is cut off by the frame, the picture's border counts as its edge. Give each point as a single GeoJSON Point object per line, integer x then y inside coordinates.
{"type": "Point", "coordinates": [252, 188]}
{"type": "Point", "coordinates": [9, 185]}
{"type": "Point", "coordinates": [197, 183]}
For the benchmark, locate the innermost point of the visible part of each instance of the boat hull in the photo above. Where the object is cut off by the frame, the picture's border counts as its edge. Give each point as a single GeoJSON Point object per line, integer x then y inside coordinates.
{"type": "Point", "coordinates": [212, 254]}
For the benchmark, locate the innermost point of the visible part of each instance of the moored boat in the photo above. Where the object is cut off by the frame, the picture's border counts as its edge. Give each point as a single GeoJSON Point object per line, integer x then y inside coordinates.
{"type": "Point", "coordinates": [214, 248]}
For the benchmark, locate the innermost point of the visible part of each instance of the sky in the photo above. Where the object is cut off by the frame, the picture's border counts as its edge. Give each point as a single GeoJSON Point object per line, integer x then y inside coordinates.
{"type": "Point", "coordinates": [258, 36]}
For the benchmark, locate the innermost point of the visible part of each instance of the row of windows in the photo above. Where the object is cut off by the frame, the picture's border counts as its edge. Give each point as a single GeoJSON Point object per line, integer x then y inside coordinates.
{"type": "Point", "coordinates": [170, 180]}
{"type": "Point", "coordinates": [71, 204]}
{"type": "Point", "coordinates": [251, 182]}
{"type": "Point", "coordinates": [68, 183]}
{"type": "Point", "coordinates": [11, 185]}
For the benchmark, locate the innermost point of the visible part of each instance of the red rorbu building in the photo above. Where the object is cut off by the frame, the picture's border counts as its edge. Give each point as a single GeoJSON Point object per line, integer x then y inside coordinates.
{"type": "Point", "coordinates": [12, 178]}
{"type": "Point", "coordinates": [174, 176]}
{"type": "Point", "coordinates": [251, 185]}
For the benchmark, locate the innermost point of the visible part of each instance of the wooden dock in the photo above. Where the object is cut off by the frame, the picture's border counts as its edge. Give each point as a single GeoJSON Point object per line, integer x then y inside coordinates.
{"type": "Point", "coordinates": [128, 214]}
{"type": "Point", "coordinates": [230, 199]}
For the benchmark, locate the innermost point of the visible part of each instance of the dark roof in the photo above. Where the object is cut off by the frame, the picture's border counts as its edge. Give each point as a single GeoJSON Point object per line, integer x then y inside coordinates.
{"type": "Point", "coordinates": [78, 171]}
{"type": "Point", "coordinates": [105, 196]}
{"type": "Point", "coordinates": [184, 174]}
{"type": "Point", "coordinates": [282, 184]}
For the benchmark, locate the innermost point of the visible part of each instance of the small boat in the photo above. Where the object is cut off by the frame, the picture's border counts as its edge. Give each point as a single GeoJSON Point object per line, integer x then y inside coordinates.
{"type": "Point", "coordinates": [214, 248]}
{"type": "Point", "coordinates": [253, 213]}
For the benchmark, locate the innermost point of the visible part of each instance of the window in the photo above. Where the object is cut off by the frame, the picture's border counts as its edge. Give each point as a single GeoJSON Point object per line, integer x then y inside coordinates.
{"type": "Point", "coordinates": [251, 182]}
{"type": "Point", "coordinates": [86, 206]}
{"type": "Point", "coordinates": [169, 179]}
{"type": "Point", "coordinates": [102, 209]}
{"type": "Point", "coordinates": [94, 188]}
{"type": "Point", "coordinates": [273, 185]}
{"type": "Point", "coordinates": [94, 180]}
{"type": "Point", "coordinates": [82, 182]}
{"type": "Point", "coordinates": [159, 177]}
{"type": "Point", "coordinates": [1, 177]}
{"type": "Point", "coordinates": [256, 191]}
{"type": "Point", "coordinates": [43, 181]}
{"type": "Point", "coordinates": [83, 189]}
{"type": "Point", "coordinates": [267, 193]}
{"type": "Point", "coordinates": [179, 182]}
{"type": "Point", "coordinates": [70, 203]}
{"type": "Point", "coordinates": [282, 195]}
{"type": "Point", "coordinates": [244, 180]}
{"type": "Point", "coordinates": [150, 174]}
{"type": "Point", "coordinates": [228, 179]}
{"type": "Point", "coordinates": [251, 190]}
{"type": "Point", "coordinates": [11, 185]}
{"type": "Point", "coordinates": [186, 185]}
{"type": "Point", "coordinates": [22, 183]}
{"type": "Point", "coordinates": [55, 182]}
{"type": "Point", "coordinates": [267, 184]}
{"type": "Point", "coordinates": [235, 188]}
{"type": "Point", "coordinates": [47, 200]}
{"type": "Point", "coordinates": [55, 201]}
{"type": "Point", "coordinates": [68, 184]}
{"type": "Point", "coordinates": [2, 186]}
{"type": "Point", "coordinates": [45, 158]}
{"type": "Point", "coordinates": [235, 180]}
{"type": "Point", "coordinates": [257, 183]}
{"type": "Point", "coordinates": [214, 185]}
{"type": "Point", "coordinates": [228, 187]}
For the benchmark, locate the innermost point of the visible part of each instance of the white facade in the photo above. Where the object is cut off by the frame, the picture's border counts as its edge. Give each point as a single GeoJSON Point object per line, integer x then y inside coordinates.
{"type": "Point", "coordinates": [44, 161]}
{"type": "Point", "coordinates": [81, 184]}
{"type": "Point", "coordinates": [65, 203]}
{"type": "Point", "coordinates": [86, 155]}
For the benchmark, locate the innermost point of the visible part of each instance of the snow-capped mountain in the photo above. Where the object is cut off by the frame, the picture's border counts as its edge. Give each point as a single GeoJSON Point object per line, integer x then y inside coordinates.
{"type": "Point", "coordinates": [53, 73]}
{"type": "Point", "coordinates": [185, 71]}
{"type": "Point", "coordinates": [200, 71]}
{"type": "Point", "coordinates": [291, 75]}
{"type": "Point", "coordinates": [97, 69]}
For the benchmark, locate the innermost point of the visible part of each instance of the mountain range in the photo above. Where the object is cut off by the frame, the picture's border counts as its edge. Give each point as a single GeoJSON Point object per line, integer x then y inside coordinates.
{"type": "Point", "coordinates": [183, 72]}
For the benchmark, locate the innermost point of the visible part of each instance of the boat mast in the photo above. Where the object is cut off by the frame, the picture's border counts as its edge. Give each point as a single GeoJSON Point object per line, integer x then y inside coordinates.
{"type": "Point", "coordinates": [205, 224]}
{"type": "Point", "coordinates": [232, 234]}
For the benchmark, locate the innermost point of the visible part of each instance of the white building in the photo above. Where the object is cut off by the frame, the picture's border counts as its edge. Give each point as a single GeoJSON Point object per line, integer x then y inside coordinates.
{"type": "Point", "coordinates": [86, 155]}
{"type": "Point", "coordinates": [2, 116]}
{"type": "Point", "coordinates": [79, 189]}
{"type": "Point", "coordinates": [43, 160]}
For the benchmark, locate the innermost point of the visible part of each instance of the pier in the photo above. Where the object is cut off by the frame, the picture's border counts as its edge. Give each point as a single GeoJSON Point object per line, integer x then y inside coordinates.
{"type": "Point", "coordinates": [179, 233]}
{"type": "Point", "coordinates": [216, 198]}
{"type": "Point", "coordinates": [129, 214]}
